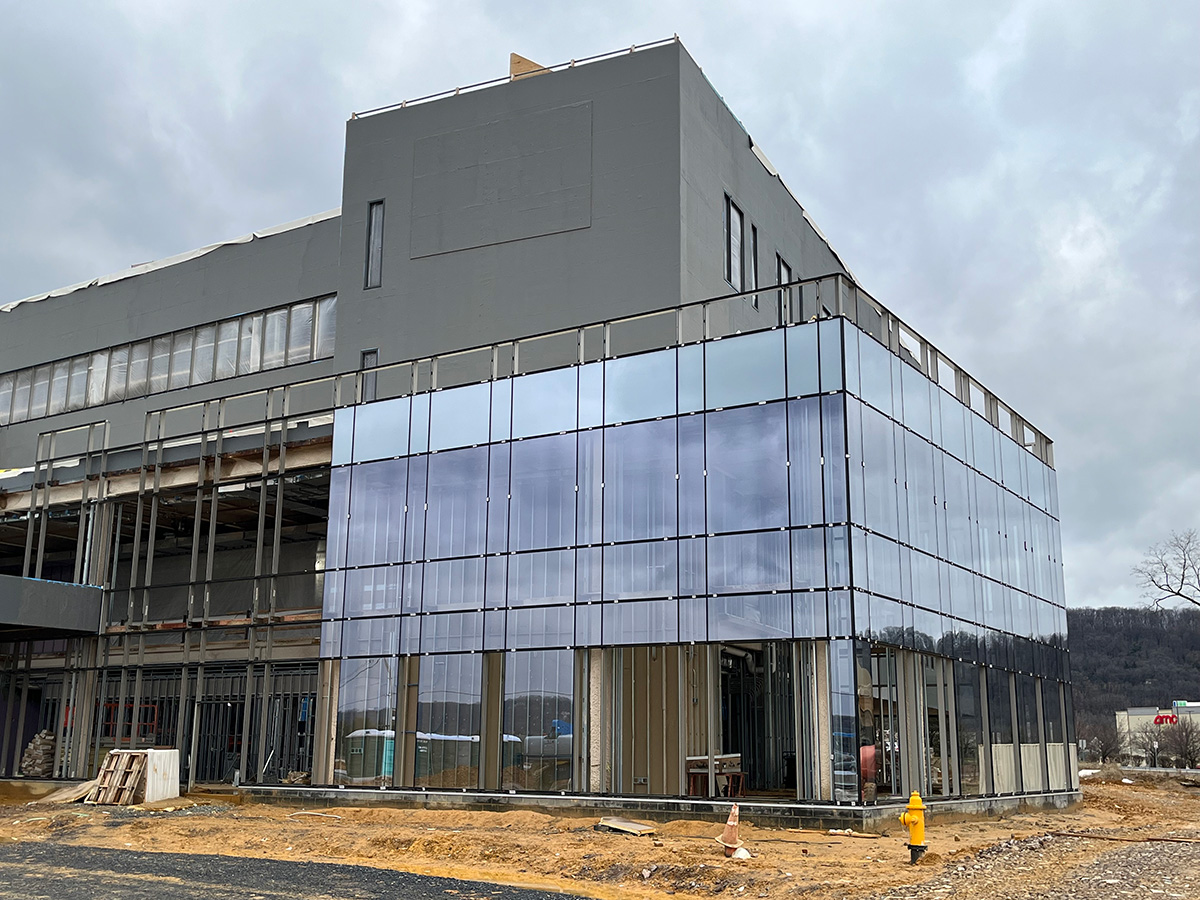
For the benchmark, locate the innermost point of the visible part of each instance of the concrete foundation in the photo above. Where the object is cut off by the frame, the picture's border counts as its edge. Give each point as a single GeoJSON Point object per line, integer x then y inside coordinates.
{"type": "Point", "coordinates": [773, 814]}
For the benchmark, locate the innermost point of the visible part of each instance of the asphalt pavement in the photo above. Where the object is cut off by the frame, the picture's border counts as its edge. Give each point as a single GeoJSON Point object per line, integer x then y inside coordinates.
{"type": "Point", "coordinates": [49, 871]}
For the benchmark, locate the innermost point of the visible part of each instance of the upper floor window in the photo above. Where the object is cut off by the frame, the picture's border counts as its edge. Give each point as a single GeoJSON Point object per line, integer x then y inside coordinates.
{"type": "Point", "coordinates": [282, 336]}
{"type": "Point", "coordinates": [783, 275]}
{"type": "Point", "coordinates": [735, 257]}
{"type": "Point", "coordinates": [374, 273]}
{"type": "Point", "coordinates": [751, 266]}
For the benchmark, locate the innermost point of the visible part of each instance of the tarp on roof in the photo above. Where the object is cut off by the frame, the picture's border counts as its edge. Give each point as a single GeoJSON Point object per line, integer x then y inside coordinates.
{"type": "Point", "coordinates": [143, 268]}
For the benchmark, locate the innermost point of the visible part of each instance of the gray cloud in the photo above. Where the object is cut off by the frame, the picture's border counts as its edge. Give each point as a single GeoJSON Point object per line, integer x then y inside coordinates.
{"type": "Point", "coordinates": [1018, 180]}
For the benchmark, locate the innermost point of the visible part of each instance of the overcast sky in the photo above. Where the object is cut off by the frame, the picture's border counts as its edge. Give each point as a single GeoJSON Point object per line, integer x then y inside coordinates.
{"type": "Point", "coordinates": [1018, 181]}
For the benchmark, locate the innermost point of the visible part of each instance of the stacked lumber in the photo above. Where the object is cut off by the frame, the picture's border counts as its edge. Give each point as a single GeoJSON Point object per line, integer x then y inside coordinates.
{"type": "Point", "coordinates": [38, 759]}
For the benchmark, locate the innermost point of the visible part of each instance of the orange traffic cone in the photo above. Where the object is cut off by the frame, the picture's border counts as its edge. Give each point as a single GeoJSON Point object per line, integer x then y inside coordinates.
{"type": "Point", "coordinates": [729, 837]}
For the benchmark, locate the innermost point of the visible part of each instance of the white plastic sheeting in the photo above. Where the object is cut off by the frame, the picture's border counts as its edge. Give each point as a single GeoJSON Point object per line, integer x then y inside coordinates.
{"type": "Point", "coordinates": [143, 268]}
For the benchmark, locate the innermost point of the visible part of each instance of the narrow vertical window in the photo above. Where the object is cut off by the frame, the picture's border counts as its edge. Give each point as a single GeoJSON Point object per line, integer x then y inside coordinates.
{"type": "Point", "coordinates": [783, 275]}
{"type": "Point", "coordinates": [734, 255]}
{"type": "Point", "coordinates": [374, 245]}
{"type": "Point", "coordinates": [752, 266]}
{"type": "Point", "coordinates": [370, 359]}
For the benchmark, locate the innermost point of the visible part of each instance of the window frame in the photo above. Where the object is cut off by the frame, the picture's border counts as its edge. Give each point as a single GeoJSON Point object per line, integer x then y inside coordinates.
{"type": "Point", "coordinates": [373, 257]}
{"type": "Point", "coordinates": [730, 209]}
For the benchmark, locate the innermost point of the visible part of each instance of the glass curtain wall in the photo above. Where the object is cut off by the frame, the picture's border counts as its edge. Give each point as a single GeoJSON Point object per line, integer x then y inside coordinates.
{"type": "Point", "coordinates": [797, 483]}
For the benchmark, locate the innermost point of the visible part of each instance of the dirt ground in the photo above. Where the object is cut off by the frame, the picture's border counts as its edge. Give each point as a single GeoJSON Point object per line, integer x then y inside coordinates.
{"type": "Point", "coordinates": [970, 858]}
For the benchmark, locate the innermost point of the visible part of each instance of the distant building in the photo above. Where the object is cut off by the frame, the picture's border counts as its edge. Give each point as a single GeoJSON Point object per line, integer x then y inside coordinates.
{"type": "Point", "coordinates": [567, 457]}
{"type": "Point", "coordinates": [1139, 725]}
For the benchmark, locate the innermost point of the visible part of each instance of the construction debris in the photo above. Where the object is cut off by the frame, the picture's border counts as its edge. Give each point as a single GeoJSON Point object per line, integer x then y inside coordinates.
{"type": "Point", "coordinates": [38, 759]}
{"type": "Point", "coordinates": [122, 779]}
{"type": "Point", "coordinates": [72, 793]}
{"type": "Point", "coordinates": [625, 826]}
{"type": "Point", "coordinates": [297, 778]}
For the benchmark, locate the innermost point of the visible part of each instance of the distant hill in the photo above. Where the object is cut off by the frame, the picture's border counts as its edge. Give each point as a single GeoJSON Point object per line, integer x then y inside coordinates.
{"type": "Point", "coordinates": [1122, 657]}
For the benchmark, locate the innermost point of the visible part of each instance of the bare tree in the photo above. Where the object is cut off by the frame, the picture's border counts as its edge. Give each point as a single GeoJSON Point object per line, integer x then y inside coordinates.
{"type": "Point", "coordinates": [1147, 743]}
{"type": "Point", "coordinates": [1105, 742]}
{"type": "Point", "coordinates": [1182, 741]}
{"type": "Point", "coordinates": [1170, 570]}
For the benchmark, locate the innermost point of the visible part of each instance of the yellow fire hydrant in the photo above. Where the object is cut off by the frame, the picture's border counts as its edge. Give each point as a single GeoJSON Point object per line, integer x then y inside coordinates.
{"type": "Point", "coordinates": [913, 819]}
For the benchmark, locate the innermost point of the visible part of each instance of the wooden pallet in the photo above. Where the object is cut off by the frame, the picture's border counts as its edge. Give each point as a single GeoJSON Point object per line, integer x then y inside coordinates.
{"type": "Point", "coordinates": [121, 777]}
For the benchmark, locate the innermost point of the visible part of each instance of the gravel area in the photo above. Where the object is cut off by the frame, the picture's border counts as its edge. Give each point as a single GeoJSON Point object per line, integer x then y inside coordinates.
{"type": "Point", "coordinates": [1049, 868]}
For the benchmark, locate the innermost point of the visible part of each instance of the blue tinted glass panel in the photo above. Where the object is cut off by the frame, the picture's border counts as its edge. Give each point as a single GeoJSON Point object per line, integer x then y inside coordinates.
{"type": "Point", "coordinates": [804, 456]}
{"type": "Point", "coordinates": [339, 518]}
{"type": "Point", "coordinates": [333, 594]}
{"type": "Point", "coordinates": [418, 441]}
{"type": "Point", "coordinates": [591, 395]}
{"type": "Point", "coordinates": [808, 558]}
{"type": "Point", "coordinates": [887, 621]}
{"type": "Point", "coordinates": [453, 584]}
{"type": "Point", "coordinates": [589, 571]}
{"type": "Point", "coordinates": [883, 566]}
{"type": "Point", "coordinates": [808, 610]}
{"type": "Point", "coordinates": [542, 508]}
{"type": "Point", "coordinates": [803, 376]}
{"type": "Point", "coordinates": [495, 588]}
{"type": "Point", "coordinates": [414, 522]}
{"type": "Point", "coordinates": [376, 524]}
{"type": "Point", "coordinates": [691, 378]}
{"type": "Point", "coordinates": [460, 417]}
{"type": "Point", "coordinates": [643, 622]}
{"type": "Point", "coordinates": [761, 617]}
{"type": "Point", "coordinates": [693, 619]}
{"type": "Point", "coordinates": [879, 472]}
{"type": "Point", "coordinates": [501, 410]}
{"type": "Point", "coordinates": [749, 562]}
{"type": "Point", "coordinates": [370, 637]}
{"type": "Point", "coordinates": [916, 401]}
{"type": "Point", "coordinates": [343, 435]}
{"type": "Point", "coordinates": [984, 441]}
{"type": "Point", "coordinates": [831, 354]}
{"type": "Point", "coordinates": [590, 496]}
{"type": "Point", "coordinates": [640, 387]}
{"type": "Point", "coordinates": [875, 366]}
{"type": "Point", "coordinates": [381, 430]}
{"type": "Point", "coordinates": [373, 592]}
{"type": "Point", "coordinates": [837, 556]}
{"type": "Point", "coordinates": [545, 403]}
{"type": "Point", "coordinates": [455, 523]}
{"type": "Point", "coordinates": [546, 626]}
{"type": "Point", "coordinates": [747, 471]}
{"type": "Point", "coordinates": [497, 527]}
{"type": "Point", "coordinates": [639, 481]}
{"type": "Point", "coordinates": [693, 568]}
{"type": "Point", "coordinates": [636, 571]}
{"type": "Point", "coordinates": [452, 632]}
{"type": "Point", "coordinates": [691, 475]}
{"type": "Point", "coordinates": [587, 626]}
{"type": "Point", "coordinates": [541, 578]}
{"type": "Point", "coordinates": [833, 436]}
{"type": "Point", "coordinates": [744, 369]}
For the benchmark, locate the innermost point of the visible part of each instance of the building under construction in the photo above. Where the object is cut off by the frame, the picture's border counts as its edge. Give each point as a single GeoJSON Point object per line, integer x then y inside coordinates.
{"type": "Point", "coordinates": [566, 457]}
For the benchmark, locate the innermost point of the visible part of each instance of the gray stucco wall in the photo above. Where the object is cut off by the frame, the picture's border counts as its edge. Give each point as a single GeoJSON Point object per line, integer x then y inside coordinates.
{"type": "Point", "coordinates": [229, 281]}
{"type": "Point", "coordinates": [716, 159]}
{"type": "Point", "coordinates": [502, 219]}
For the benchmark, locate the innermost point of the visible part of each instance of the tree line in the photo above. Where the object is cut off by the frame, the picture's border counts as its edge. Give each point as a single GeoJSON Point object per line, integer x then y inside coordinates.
{"type": "Point", "coordinates": [1123, 657]}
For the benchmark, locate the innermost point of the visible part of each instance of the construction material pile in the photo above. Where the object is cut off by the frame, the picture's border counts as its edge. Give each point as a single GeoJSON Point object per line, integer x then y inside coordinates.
{"type": "Point", "coordinates": [38, 759]}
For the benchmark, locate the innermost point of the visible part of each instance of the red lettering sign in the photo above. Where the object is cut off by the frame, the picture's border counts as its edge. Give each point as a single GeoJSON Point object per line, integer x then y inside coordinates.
{"type": "Point", "coordinates": [1166, 720]}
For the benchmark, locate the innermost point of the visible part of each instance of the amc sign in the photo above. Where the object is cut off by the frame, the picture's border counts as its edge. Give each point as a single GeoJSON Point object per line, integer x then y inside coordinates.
{"type": "Point", "coordinates": [1166, 720]}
